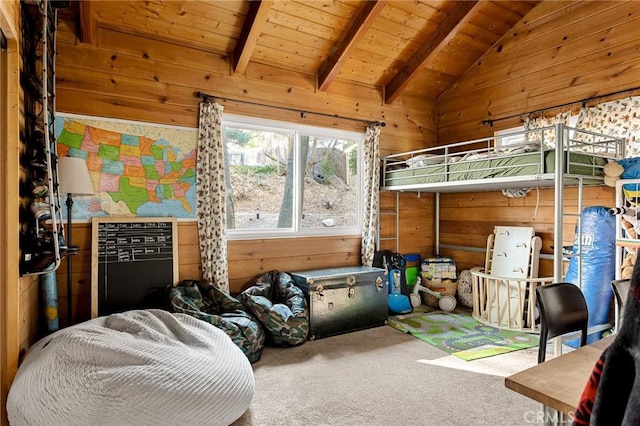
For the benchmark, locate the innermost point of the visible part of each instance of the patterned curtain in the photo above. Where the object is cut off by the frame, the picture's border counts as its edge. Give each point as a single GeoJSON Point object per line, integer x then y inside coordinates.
{"type": "Point", "coordinates": [619, 118]}
{"type": "Point", "coordinates": [540, 122]}
{"type": "Point", "coordinates": [211, 197]}
{"type": "Point", "coordinates": [371, 196]}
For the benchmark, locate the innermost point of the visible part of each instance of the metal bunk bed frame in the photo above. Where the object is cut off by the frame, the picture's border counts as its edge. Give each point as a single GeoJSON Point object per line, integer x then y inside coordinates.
{"type": "Point", "coordinates": [612, 148]}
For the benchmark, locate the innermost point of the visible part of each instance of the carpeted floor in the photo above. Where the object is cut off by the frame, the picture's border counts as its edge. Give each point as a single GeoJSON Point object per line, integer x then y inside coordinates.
{"type": "Point", "coordinates": [458, 333]}
{"type": "Point", "coordinates": [382, 377]}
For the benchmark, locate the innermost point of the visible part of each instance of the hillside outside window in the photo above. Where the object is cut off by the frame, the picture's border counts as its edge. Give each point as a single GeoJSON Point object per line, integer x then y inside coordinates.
{"type": "Point", "coordinates": [284, 179]}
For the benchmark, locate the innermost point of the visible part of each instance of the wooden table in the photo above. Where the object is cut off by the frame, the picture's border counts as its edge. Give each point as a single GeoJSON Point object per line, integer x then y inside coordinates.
{"type": "Point", "coordinates": [558, 383]}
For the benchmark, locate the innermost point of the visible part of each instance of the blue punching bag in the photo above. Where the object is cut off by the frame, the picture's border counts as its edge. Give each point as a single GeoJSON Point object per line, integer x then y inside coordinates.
{"type": "Point", "coordinates": [598, 265]}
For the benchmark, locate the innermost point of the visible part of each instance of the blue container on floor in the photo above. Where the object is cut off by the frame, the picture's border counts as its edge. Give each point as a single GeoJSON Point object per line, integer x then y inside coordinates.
{"type": "Point", "coordinates": [398, 303]}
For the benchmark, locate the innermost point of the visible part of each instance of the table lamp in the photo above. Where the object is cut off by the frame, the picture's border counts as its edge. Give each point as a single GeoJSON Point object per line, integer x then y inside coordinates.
{"type": "Point", "coordinates": [73, 179]}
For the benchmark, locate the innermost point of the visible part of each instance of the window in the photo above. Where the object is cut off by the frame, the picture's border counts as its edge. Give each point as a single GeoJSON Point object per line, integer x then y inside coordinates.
{"type": "Point", "coordinates": [285, 179]}
{"type": "Point", "coordinates": [511, 136]}
{"type": "Point", "coordinates": [516, 135]}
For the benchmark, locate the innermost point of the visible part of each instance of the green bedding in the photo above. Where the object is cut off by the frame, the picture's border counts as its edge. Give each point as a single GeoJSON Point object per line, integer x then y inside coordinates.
{"type": "Point", "coordinates": [519, 165]}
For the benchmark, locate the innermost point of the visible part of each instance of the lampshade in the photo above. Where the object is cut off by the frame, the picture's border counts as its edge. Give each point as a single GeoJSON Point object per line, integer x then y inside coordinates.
{"type": "Point", "coordinates": [73, 176]}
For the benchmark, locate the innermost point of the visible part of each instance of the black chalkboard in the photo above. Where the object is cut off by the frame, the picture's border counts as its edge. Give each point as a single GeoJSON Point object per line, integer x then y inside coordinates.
{"type": "Point", "coordinates": [132, 259]}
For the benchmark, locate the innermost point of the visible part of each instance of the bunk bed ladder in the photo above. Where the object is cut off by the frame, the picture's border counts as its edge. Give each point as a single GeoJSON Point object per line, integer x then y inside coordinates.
{"type": "Point", "coordinates": [562, 139]}
{"type": "Point", "coordinates": [382, 243]}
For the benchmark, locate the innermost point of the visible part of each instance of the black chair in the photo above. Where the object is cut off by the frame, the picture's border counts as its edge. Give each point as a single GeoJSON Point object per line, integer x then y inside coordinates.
{"type": "Point", "coordinates": [620, 290]}
{"type": "Point", "coordinates": [563, 309]}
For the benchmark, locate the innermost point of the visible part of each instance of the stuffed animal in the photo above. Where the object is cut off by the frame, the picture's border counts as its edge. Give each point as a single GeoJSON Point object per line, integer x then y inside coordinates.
{"type": "Point", "coordinates": [630, 223]}
{"type": "Point", "coordinates": [612, 172]}
{"type": "Point", "coordinates": [626, 269]}
{"type": "Point", "coordinates": [627, 168]}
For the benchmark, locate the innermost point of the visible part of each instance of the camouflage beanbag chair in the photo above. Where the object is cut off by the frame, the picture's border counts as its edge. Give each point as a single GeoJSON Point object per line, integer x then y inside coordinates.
{"type": "Point", "coordinates": [280, 306]}
{"type": "Point", "coordinates": [210, 304]}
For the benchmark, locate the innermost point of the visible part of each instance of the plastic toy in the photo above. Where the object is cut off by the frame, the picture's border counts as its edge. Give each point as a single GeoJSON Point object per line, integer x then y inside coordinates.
{"type": "Point", "coordinates": [446, 303]}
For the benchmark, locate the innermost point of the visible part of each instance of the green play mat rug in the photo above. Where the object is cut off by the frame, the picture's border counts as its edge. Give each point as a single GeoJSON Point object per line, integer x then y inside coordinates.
{"type": "Point", "coordinates": [461, 335]}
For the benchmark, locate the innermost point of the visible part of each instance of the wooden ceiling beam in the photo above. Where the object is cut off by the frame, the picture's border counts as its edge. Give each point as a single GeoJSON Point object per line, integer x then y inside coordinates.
{"type": "Point", "coordinates": [447, 30]}
{"type": "Point", "coordinates": [359, 26]}
{"type": "Point", "coordinates": [87, 30]}
{"type": "Point", "coordinates": [251, 29]}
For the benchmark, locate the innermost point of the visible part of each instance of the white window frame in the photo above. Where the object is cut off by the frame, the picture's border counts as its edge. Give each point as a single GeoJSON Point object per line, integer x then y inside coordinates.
{"type": "Point", "coordinates": [512, 136]}
{"type": "Point", "coordinates": [515, 135]}
{"type": "Point", "coordinates": [252, 123]}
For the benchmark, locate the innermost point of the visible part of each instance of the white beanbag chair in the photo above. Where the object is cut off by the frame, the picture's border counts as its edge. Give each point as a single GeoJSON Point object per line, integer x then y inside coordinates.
{"type": "Point", "coordinates": [139, 367]}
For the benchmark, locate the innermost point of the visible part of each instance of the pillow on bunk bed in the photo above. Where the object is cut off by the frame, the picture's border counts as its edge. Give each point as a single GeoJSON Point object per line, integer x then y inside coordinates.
{"type": "Point", "coordinates": [503, 151]}
{"type": "Point", "coordinates": [139, 367]}
{"type": "Point", "coordinates": [518, 149]}
{"type": "Point", "coordinates": [475, 156]}
{"type": "Point", "coordinates": [424, 160]}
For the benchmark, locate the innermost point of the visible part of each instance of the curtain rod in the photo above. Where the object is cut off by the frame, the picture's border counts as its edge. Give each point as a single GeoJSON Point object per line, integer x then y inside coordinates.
{"type": "Point", "coordinates": [205, 97]}
{"type": "Point", "coordinates": [489, 122]}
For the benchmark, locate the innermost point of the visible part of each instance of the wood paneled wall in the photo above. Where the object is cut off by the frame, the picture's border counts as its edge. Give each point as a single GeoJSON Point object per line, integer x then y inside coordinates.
{"type": "Point", "coordinates": [130, 77]}
{"type": "Point", "coordinates": [12, 305]}
{"type": "Point", "coordinates": [406, 222]}
{"type": "Point", "coordinates": [467, 219]}
{"type": "Point", "coordinates": [561, 52]}
{"type": "Point", "coordinates": [138, 78]}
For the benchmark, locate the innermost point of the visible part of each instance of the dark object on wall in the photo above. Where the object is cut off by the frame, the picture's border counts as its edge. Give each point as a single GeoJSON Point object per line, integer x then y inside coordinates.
{"type": "Point", "coordinates": [42, 233]}
{"type": "Point", "coordinates": [343, 299]}
{"type": "Point", "coordinates": [60, 4]}
{"type": "Point", "coordinates": [130, 258]}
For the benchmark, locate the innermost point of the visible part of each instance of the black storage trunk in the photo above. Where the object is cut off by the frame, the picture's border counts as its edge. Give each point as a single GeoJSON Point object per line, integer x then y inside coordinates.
{"type": "Point", "coordinates": [344, 299]}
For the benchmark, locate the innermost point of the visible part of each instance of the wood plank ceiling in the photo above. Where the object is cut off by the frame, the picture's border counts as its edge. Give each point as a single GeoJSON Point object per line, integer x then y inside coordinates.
{"type": "Point", "coordinates": [397, 46]}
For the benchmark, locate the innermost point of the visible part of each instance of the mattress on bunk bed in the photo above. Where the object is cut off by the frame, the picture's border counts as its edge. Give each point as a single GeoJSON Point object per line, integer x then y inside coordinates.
{"type": "Point", "coordinates": [514, 165]}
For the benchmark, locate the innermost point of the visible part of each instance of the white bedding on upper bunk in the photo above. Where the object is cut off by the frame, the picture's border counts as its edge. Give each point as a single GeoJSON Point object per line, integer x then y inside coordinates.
{"type": "Point", "coordinates": [484, 159]}
{"type": "Point", "coordinates": [422, 160]}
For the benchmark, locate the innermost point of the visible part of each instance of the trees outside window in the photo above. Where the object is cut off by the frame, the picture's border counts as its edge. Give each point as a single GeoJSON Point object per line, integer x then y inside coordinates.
{"type": "Point", "coordinates": [285, 179]}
